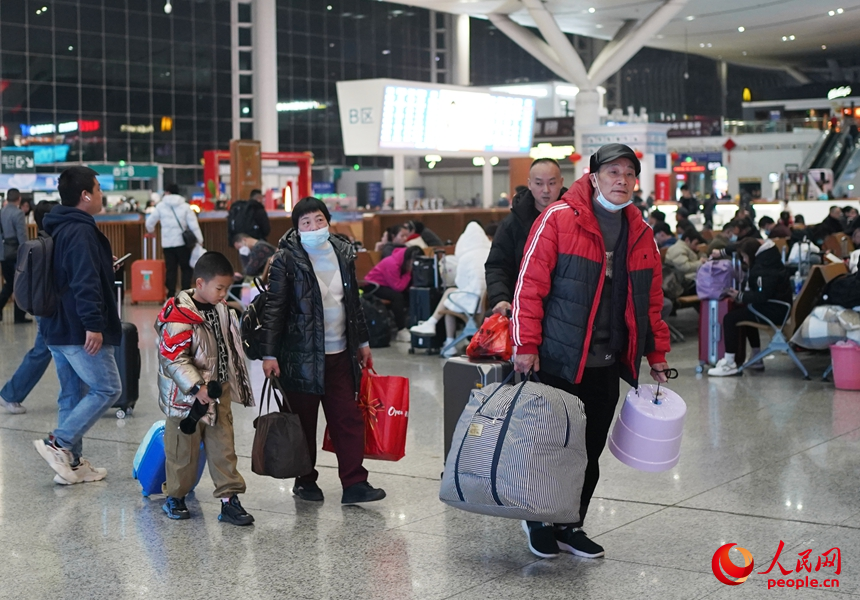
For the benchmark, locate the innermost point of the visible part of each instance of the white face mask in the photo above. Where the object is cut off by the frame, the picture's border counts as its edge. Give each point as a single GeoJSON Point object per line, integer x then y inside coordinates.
{"type": "Point", "coordinates": [245, 251]}
{"type": "Point", "coordinates": [601, 199]}
{"type": "Point", "coordinates": [314, 239]}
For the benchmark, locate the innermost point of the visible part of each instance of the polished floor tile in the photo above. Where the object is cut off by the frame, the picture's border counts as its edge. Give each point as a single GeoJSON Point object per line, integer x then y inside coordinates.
{"type": "Point", "coordinates": [765, 457]}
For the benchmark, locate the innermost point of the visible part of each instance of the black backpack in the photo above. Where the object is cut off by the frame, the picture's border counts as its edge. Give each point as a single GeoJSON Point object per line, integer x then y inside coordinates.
{"type": "Point", "coordinates": [378, 321]}
{"type": "Point", "coordinates": [251, 323]}
{"type": "Point", "coordinates": [240, 219]}
{"type": "Point", "coordinates": [35, 291]}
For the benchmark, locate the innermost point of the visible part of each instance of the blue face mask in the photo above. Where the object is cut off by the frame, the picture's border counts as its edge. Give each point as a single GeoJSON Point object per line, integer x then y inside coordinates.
{"type": "Point", "coordinates": [733, 238]}
{"type": "Point", "coordinates": [601, 199]}
{"type": "Point", "coordinates": [314, 239]}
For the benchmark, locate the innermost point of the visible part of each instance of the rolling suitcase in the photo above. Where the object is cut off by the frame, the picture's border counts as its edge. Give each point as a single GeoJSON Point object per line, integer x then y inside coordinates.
{"type": "Point", "coordinates": [148, 276]}
{"type": "Point", "coordinates": [460, 376]}
{"type": "Point", "coordinates": [422, 303]}
{"type": "Point", "coordinates": [149, 461]}
{"type": "Point", "coordinates": [128, 363]}
{"type": "Point", "coordinates": [712, 344]}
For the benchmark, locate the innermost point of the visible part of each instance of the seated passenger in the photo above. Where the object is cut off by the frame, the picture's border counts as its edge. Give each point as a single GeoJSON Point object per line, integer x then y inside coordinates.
{"type": "Point", "coordinates": [663, 235]}
{"type": "Point", "coordinates": [394, 237]}
{"type": "Point", "coordinates": [773, 229]}
{"type": "Point", "coordinates": [429, 237]}
{"type": "Point", "coordinates": [471, 251]}
{"type": "Point", "coordinates": [684, 256]}
{"type": "Point", "coordinates": [393, 274]}
{"type": "Point", "coordinates": [254, 254]}
{"type": "Point", "coordinates": [767, 279]}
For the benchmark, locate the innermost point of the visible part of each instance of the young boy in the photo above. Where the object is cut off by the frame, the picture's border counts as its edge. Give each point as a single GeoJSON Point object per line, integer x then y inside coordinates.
{"type": "Point", "coordinates": [199, 343]}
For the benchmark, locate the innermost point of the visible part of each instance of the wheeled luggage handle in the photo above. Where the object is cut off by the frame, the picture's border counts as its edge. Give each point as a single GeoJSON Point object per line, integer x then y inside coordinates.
{"type": "Point", "coordinates": [154, 239]}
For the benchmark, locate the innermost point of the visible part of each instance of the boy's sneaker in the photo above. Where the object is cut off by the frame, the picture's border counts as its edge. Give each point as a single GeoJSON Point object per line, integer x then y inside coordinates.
{"type": "Point", "coordinates": [84, 472]}
{"type": "Point", "coordinates": [233, 513]}
{"type": "Point", "coordinates": [541, 539]}
{"type": "Point", "coordinates": [14, 408]}
{"type": "Point", "coordinates": [574, 540]}
{"type": "Point", "coordinates": [308, 491]}
{"type": "Point", "coordinates": [361, 492]}
{"type": "Point", "coordinates": [176, 509]}
{"type": "Point", "coordinates": [724, 368]}
{"type": "Point", "coordinates": [57, 458]}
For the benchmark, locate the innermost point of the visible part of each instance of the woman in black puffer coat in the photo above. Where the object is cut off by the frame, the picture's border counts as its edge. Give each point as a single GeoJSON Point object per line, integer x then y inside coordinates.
{"type": "Point", "coordinates": [315, 340]}
{"type": "Point", "coordinates": [767, 280]}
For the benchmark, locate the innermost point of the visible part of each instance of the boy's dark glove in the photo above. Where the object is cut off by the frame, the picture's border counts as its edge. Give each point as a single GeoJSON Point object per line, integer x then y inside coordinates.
{"type": "Point", "coordinates": [188, 425]}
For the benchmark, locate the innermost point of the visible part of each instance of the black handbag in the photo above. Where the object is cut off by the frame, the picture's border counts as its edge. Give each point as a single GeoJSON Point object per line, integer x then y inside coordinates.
{"type": "Point", "coordinates": [188, 236]}
{"type": "Point", "coordinates": [280, 448]}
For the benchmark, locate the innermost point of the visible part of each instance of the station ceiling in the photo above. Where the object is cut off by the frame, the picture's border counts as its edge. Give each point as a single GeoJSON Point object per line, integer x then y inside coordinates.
{"type": "Point", "coordinates": [767, 33]}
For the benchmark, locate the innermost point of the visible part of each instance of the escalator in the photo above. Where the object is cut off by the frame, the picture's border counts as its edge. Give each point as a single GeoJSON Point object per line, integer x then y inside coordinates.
{"type": "Point", "coordinates": [822, 149]}
{"type": "Point", "coordinates": [846, 171]}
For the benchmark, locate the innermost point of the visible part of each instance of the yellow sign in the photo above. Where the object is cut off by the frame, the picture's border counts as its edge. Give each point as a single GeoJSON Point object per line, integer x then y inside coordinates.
{"type": "Point", "coordinates": [166, 123]}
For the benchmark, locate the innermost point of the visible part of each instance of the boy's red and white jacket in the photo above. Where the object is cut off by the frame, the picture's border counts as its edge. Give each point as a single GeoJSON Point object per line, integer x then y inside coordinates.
{"type": "Point", "coordinates": [188, 356]}
{"type": "Point", "coordinates": [561, 279]}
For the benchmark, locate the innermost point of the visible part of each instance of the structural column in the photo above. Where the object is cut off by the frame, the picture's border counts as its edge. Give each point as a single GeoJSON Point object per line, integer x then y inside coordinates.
{"type": "Point", "coordinates": [399, 182]}
{"type": "Point", "coordinates": [462, 53]}
{"type": "Point", "coordinates": [587, 115]}
{"type": "Point", "coordinates": [487, 198]}
{"type": "Point", "coordinates": [265, 84]}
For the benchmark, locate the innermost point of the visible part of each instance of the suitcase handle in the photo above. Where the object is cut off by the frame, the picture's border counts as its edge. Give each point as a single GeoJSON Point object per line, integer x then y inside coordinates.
{"type": "Point", "coordinates": [146, 237]}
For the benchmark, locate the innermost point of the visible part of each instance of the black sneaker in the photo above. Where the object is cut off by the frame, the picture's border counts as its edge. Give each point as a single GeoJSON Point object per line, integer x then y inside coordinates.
{"type": "Point", "coordinates": [308, 491]}
{"type": "Point", "coordinates": [176, 509]}
{"type": "Point", "coordinates": [233, 513]}
{"type": "Point", "coordinates": [361, 492]}
{"type": "Point", "coordinates": [574, 540]}
{"type": "Point", "coordinates": [541, 539]}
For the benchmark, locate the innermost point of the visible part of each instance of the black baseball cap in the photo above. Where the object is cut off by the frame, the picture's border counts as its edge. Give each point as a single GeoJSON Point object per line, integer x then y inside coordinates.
{"type": "Point", "coordinates": [610, 152]}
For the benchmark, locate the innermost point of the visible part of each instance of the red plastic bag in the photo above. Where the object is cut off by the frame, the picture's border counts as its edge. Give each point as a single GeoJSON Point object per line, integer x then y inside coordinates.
{"type": "Point", "coordinates": [493, 339]}
{"type": "Point", "coordinates": [384, 401]}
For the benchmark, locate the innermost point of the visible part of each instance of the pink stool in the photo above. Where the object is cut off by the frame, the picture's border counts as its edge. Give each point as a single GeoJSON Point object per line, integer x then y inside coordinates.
{"type": "Point", "coordinates": [647, 433]}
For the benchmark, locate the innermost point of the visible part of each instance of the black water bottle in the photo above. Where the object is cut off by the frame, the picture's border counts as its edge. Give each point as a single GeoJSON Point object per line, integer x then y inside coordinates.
{"type": "Point", "coordinates": [188, 425]}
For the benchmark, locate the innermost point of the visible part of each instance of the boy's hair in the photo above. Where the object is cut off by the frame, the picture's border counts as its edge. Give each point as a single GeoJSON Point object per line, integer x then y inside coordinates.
{"type": "Point", "coordinates": [73, 182]}
{"type": "Point", "coordinates": [309, 205]}
{"type": "Point", "coordinates": [211, 265]}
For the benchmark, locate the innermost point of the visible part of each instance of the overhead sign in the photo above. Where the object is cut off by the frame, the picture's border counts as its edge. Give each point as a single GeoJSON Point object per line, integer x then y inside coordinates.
{"type": "Point", "coordinates": [83, 126]}
{"type": "Point", "coordinates": [127, 171]}
{"type": "Point", "coordinates": [839, 92]}
{"type": "Point", "coordinates": [45, 183]}
{"type": "Point", "coordinates": [391, 117]}
{"type": "Point", "coordinates": [17, 162]}
{"type": "Point", "coordinates": [43, 155]}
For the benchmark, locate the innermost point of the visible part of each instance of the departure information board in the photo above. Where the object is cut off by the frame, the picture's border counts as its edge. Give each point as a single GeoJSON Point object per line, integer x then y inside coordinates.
{"type": "Point", "coordinates": [450, 120]}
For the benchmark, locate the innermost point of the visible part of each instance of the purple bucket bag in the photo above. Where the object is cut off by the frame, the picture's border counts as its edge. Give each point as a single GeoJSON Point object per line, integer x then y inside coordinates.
{"type": "Point", "coordinates": [713, 277]}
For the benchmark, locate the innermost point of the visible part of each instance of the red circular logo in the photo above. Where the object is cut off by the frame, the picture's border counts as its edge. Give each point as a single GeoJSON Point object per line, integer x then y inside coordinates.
{"type": "Point", "coordinates": [722, 563]}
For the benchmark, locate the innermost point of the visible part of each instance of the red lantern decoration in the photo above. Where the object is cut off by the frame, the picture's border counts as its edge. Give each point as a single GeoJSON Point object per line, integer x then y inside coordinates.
{"type": "Point", "coordinates": [730, 145]}
{"type": "Point", "coordinates": [575, 157]}
{"type": "Point", "coordinates": [675, 156]}
{"type": "Point", "coordinates": [639, 154]}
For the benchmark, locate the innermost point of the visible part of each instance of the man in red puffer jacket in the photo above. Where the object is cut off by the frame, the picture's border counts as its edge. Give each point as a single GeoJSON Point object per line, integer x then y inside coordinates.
{"type": "Point", "coordinates": [586, 309]}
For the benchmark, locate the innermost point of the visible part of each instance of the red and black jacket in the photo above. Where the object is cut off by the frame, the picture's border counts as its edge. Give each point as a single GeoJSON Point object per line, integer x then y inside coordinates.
{"type": "Point", "coordinates": [561, 279]}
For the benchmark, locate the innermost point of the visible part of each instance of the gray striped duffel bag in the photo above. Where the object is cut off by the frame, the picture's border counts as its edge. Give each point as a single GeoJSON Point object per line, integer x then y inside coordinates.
{"type": "Point", "coordinates": [518, 452]}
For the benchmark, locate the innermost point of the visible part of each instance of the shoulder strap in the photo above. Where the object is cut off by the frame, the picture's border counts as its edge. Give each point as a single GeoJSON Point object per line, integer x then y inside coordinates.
{"type": "Point", "coordinates": [177, 218]}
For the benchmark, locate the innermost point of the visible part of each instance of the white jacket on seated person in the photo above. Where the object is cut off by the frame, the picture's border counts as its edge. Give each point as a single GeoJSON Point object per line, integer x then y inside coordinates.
{"type": "Point", "coordinates": [172, 227]}
{"type": "Point", "coordinates": [472, 250]}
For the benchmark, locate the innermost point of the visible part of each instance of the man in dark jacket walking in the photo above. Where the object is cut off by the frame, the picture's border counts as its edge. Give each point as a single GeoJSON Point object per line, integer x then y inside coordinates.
{"type": "Point", "coordinates": [85, 330]}
{"type": "Point", "coordinates": [14, 231]}
{"type": "Point", "coordinates": [315, 340]}
{"type": "Point", "coordinates": [587, 308]}
{"type": "Point", "coordinates": [503, 264]}
{"type": "Point", "coordinates": [248, 217]}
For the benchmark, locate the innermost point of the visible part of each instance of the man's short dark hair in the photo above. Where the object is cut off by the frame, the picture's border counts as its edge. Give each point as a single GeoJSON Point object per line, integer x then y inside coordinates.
{"type": "Point", "coordinates": [13, 195]}
{"type": "Point", "coordinates": [538, 161]}
{"type": "Point", "coordinates": [42, 209]}
{"type": "Point", "coordinates": [172, 188]}
{"type": "Point", "coordinates": [658, 215]}
{"type": "Point", "coordinates": [309, 205]}
{"type": "Point", "coordinates": [847, 209]}
{"type": "Point", "coordinates": [73, 182]}
{"type": "Point", "coordinates": [685, 188]}
{"type": "Point", "coordinates": [690, 233]}
{"type": "Point", "coordinates": [799, 220]}
{"type": "Point", "coordinates": [662, 227]}
{"type": "Point", "coordinates": [729, 225]}
{"type": "Point", "coordinates": [241, 237]}
{"type": "Point", "coordinates": [255, 193]}
{"type": "Point", "coordinates": [211, 265]}
{"type": "Point", "coordinates": [683, 213]}
{"type": "Point", "coordinates": [764, 222]}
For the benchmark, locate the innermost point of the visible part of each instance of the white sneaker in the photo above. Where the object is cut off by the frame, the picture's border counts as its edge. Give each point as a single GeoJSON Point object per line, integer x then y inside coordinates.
{"type": "Point", "coordinates": [424, 328]}
{"type": "Point", "coordinates": [403, 336]}
{"type": "Point", "coordinates": [14, 408]}
{"type": "Point", "coordinates": [724, 368]}
{"type": "Point", "coordinates": [57, 458]}
{"type": "Point", "coordinates": [85, 472]}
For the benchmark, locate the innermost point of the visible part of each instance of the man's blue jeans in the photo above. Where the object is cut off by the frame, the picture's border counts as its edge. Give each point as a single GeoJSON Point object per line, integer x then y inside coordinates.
{"type": "Point", "coordinates": [32, 368]}
{"type": "Point", "coordinates": [80, 407]}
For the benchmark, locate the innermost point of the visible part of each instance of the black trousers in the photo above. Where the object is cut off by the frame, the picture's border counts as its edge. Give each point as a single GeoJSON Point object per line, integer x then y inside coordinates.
{"type": "Point", "coordinates": [399, 303]}
{"type": "Point", "coordinates": [734, 334]}
{"type": "Point", "coordinates": [598, 391]}
{"type": "Point", "coordinates": [8, 267]}
{"type": "Point", "coordinates": [178, 256]}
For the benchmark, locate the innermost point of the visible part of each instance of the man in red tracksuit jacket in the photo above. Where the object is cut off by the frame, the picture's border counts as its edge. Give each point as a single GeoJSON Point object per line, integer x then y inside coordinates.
{"type": "Point", "coordinates": [586, 309]}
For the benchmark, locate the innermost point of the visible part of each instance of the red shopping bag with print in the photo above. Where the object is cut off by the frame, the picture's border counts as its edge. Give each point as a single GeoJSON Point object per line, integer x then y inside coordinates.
{"type": "Point", "coordinates": [493, 339]}
{"type": "Point", "coordinates": [384, 402]}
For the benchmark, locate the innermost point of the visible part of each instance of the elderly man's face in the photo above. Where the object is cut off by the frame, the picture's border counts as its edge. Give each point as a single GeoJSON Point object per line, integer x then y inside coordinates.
{"type": "Point", "coordinates": [616, 180]}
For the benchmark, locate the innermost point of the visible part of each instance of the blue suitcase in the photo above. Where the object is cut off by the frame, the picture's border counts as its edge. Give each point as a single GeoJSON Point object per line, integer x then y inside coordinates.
{"type": "Point", "coordinates": [148, 467]}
